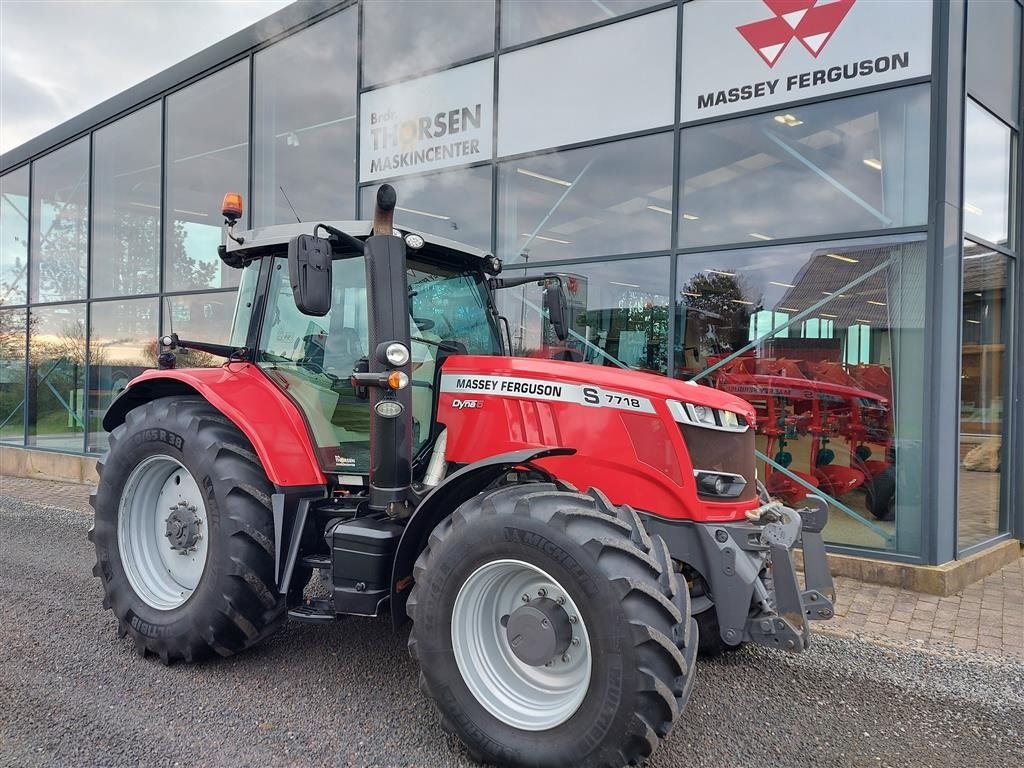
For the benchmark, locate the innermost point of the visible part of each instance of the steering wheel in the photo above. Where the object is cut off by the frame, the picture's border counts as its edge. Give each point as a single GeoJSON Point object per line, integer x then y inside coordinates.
{"type": "Point", "coordinates": [312, 343]}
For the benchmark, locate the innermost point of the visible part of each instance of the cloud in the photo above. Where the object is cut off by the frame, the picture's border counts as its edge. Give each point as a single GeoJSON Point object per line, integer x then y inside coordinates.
{"type": "Point", "coordinates": [37, 106]}
{"type": "Point", "coordinates": [61, 57]}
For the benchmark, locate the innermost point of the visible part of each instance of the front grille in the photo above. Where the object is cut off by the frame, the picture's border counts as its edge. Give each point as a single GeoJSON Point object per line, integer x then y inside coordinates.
{"type": "Point", "coordinates": [720, 451]}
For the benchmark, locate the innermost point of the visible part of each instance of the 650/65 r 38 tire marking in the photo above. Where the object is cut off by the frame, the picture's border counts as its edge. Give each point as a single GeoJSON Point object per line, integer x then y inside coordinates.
{"type": "Point", "coordinates": [503, 559]}
{"type": "Point", "coordinates": [183, 453]}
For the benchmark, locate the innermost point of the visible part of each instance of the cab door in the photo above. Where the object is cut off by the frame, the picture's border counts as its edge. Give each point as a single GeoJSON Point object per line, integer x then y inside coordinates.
{"type": "Point", "coordinates": [312, 358]}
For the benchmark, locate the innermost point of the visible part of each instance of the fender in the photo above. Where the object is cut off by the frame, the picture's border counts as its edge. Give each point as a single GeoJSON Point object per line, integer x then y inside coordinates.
{"type": "Point", "coordinates": [240, 391]}
{"type": "Point", "coordinates": [441, 502]}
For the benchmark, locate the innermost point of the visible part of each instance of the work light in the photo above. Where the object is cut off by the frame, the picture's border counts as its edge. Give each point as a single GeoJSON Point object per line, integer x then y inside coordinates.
{"type": "Point", "coordinates": [396, 354]}
{"type": "Point", "coordinates": [389, 409]}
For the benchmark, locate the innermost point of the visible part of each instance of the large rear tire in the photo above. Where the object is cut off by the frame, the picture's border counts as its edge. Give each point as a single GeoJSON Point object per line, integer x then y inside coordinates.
{"type": "Point", "coordinates": [601, 675]}
{"type": "Point", "coordinates": [184, 533]}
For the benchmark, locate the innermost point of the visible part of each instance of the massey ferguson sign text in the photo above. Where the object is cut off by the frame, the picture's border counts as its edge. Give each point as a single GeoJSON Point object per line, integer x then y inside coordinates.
{"type": "Point", "coordinates": [748, 54]}
{"type": "Point", "coordinates": [431, 122]}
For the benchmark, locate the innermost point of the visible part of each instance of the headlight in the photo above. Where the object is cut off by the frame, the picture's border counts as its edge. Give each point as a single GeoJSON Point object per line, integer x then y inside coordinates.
{"type": "Point", "coordinates": [414, 241]}
{"type": "Point", "coordinates": [396, 354]}
{"type": "Point", "coordinates": [704, 416]}
{"type": "Point", "coordinates": [722, 484]}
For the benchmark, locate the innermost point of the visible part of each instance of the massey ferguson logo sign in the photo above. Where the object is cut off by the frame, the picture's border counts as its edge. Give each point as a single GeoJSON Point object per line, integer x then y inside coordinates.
{"type": "Point", "coordinates": [749, 54]}
{"type": "Point", "coordinates": [811, 22]}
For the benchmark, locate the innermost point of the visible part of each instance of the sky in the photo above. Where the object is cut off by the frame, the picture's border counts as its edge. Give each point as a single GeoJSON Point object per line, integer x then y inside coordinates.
{"type": "Point", "coordinates": [61, 57]}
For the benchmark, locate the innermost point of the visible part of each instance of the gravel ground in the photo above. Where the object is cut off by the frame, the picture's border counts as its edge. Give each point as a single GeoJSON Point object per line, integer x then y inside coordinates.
{"type": "Point", "coordinates": [73, 694]}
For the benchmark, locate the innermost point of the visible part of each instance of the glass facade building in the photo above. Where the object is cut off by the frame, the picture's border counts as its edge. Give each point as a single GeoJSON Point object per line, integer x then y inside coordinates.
{"type": "Point", "coordinates": [820, 213]}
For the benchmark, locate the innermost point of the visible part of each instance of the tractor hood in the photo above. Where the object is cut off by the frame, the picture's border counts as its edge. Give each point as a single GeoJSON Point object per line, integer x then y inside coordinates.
{"type": "Point", "coordinates": [631, 433]}
{"type": "Point", "coordinates": [647, 385]}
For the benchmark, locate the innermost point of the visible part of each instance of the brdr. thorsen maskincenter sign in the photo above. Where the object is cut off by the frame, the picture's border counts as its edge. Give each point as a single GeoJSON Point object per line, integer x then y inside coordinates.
{"type": "Point", "coordinates": [747, 54]}
{"type": "Point", "coordinates": [431, 122]}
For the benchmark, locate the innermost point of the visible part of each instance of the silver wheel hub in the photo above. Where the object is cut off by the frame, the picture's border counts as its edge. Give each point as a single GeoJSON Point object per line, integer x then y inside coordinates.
{"type": "Point", "coordinates": [521, 645]}
{"type": "Point", "coordinates": [538, 632]}
{"type": "Point", "coordinates": [161, 532]}
{"type": "Point", "coordinates": [183, 528]}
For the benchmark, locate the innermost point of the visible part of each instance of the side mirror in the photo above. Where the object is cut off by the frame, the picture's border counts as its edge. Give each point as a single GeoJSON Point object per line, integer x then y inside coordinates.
{"type": "Point", "coordinates": [556, 308]}
{"type": "Point", "coordinates": [309, 269]}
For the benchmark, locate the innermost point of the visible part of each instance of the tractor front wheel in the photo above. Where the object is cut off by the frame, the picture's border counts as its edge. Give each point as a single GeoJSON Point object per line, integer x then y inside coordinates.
{"type": "Point", "coordinates": [184, 533]}
{"type": "Point", "coordinates": [551, 629]}
{"type": "Point", "coordinates": [711, 642]}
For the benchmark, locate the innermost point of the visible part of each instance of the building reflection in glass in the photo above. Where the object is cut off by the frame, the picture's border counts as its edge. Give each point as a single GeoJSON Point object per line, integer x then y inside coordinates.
{"type": "Point", "coordinates": [824, 341]}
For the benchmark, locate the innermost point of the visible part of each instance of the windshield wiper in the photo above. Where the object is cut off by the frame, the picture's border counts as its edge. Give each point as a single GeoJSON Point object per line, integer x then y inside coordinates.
{"type": "Point", "coordinates": [448, 346]}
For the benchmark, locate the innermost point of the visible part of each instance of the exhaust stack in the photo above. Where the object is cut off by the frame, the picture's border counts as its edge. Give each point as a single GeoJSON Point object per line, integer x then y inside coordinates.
{"type": "Point", "coordinates": [387, 294]}
{"type": "Point", "coordinates": [384, 210]}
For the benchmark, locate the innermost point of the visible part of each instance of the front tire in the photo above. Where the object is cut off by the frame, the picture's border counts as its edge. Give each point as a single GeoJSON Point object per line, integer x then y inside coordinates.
{"type": "Point", "coordinates": [711, 642]}
{"type": "Point", "coordinates": [184, 533]}
{"type": "Point", "coordinates": [604, 680]}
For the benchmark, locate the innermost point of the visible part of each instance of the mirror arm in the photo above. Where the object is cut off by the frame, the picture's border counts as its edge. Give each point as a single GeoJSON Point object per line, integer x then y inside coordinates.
{"type": "Point", "coordinates": [508, 333]}
{"type": "Point", "coordinates": [497, 283]}
{"type": "Point", "coordinates": [171, 342]}
{"type": "Point", "coordinates": [343, 238]}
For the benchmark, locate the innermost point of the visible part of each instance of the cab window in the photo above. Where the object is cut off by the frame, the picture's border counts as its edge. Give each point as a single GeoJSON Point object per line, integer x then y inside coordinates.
{"type": "Point", "coordinates": [311, 358]}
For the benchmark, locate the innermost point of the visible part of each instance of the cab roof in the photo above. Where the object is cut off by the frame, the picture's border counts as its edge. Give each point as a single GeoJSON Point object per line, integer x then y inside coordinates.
{"type": "Point", "coordinates": [271, 237]}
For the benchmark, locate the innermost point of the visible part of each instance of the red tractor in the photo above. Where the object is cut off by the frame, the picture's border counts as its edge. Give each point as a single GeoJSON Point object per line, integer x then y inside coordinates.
{"type": "Point", "coordinates": [559, 534]}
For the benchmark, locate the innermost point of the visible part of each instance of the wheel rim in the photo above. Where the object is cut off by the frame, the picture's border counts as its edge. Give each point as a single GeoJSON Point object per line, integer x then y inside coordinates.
{"type": "Point", "coordinates": [162, 532]}
{"type": "Point", "coordinates": [527, 696]}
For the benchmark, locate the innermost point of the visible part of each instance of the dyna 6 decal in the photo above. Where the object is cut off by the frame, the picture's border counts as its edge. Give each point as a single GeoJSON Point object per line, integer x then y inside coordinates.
{"type": "Point", "coordinates": [538, 389]}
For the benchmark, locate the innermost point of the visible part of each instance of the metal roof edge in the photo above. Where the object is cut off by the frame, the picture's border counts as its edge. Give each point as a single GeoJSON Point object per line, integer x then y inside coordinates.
{"type": "Point", "coordinates": [276, 25]}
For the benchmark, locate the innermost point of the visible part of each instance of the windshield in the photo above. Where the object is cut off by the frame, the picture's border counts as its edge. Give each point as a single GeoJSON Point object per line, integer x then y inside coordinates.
{"type": "Point", "coordinates": [311, 358]}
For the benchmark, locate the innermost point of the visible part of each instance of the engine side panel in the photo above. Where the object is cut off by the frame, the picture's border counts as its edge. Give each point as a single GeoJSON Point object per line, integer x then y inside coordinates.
{"type": "Point", "coordinates": [627, 442]}
{"type": "Point", "coordinates": [240, 391]}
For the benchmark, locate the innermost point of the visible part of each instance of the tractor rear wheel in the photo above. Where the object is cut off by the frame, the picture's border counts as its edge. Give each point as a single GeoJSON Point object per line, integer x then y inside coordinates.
{"type": "Point", "coordinates": [184, 533]}
{"type": "Point", "coordinates": [551, 629]}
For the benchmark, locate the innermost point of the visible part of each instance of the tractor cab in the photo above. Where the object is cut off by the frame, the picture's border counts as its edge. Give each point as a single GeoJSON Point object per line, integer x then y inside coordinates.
{"type": "Point", "coordinates": [309, 335]}
{"type": "Point", "coordinates": [312, 356]}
